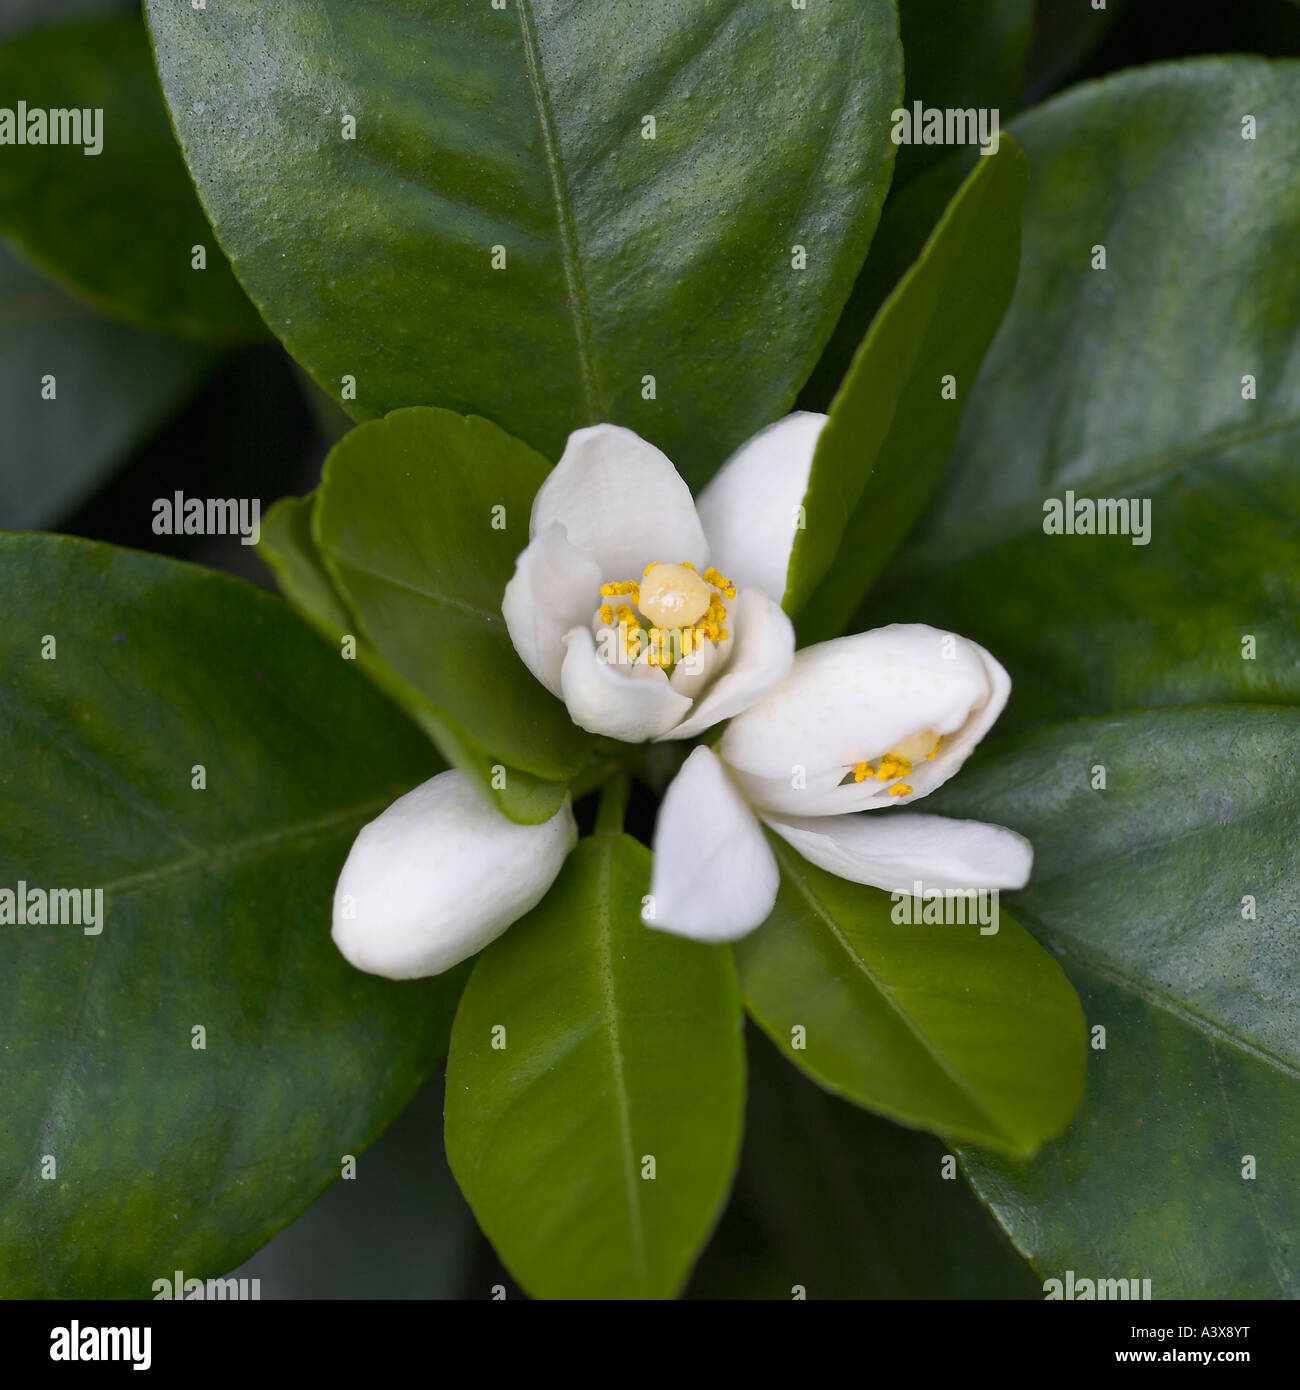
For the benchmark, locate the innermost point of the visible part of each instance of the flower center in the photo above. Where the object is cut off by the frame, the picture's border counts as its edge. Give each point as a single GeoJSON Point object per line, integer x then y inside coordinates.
{"type": "Point", "coordinates": [897, 763]}
{"type": "Point", "coordinates": [683, 609]}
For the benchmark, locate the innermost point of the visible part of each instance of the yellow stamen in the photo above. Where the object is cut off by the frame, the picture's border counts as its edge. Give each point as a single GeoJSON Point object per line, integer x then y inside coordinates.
{"type": "Point", "coordinates": [900, 789]}
{"type": "Point", "coordinates": [891, 766]}
{"type": "Point", "coordinates": [606, 615]}
{"type": "Point", "coordinates": [862, 771]}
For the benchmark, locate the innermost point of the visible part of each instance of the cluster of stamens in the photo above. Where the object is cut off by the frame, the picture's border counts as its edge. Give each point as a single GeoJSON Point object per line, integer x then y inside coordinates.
{"type": "Point", "coordinates": [891, 767]}
{"type": "Point", "coordinates": [683, 610]}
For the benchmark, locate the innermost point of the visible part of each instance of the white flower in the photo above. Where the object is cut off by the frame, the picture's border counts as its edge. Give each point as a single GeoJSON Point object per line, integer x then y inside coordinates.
{"type": "Point", "coordinates": [648, 618]}
{"type": "Point", "coordinates": [860, 723]}
{"type": "Point", "coordinates": [440, 874]}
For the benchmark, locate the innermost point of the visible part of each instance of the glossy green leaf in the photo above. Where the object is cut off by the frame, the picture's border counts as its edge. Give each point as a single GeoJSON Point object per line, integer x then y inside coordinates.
{"type": "Point", "coordinates": [1170, 897]}
{"type": "Point", "coordinates": [419, 519]}
{"type": "Point", "coordinates": [1130, 383]}
{"type": "Point", "coordinates": [962, 54]}
{"type": "Point", "coordinates": [118, 227]}
{"type": "Point", "coordinates": [622, 1048]}
{"type": "Point", "coordinates": [971, 1033]}
{"type": "Point", "coordinates": [113, 384]}
{"type": "Point", "coordinates": [891, 426]}
{"type": "Point", "coordinates": [290, 549]}
{"type": "Point", "coordinates": [523, 129]}
{"type": "Point", "coordinates": [215, 916]}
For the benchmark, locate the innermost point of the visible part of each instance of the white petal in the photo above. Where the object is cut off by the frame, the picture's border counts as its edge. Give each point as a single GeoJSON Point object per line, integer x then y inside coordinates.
{"type": "Point", "coordinates": [748, 509]}
{"type": "Point", "coordinates": [632, 703]}
{"type": "Point", "coordinates": [764, 651]}
{"type": "Point", "coordinates": [894, 852]}
{"type": "Point", "coordinates": [621, 502]}
{"type": "Point", "coordinates": [715, 877]}
{"type": "Point", "coordinates": [440, 874]}
{"type": "Point", "coordinates": [852, 700]}
{"type": "Point", "coordinates": [555, 587]}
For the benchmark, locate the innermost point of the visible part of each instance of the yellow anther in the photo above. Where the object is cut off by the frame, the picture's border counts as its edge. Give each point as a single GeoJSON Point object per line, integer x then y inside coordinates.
{"type": "Point", "coordinates": [606, 614]}
{"type": "Point", "coordinates": [626, 614]}
{"type": "Point", "coordinates": [935, 749]}
{"type": "Point", "coordinates": [648, 568]}
{"type": "Point", "coordinates": [862, 771]}
{"type": "Point", "coordinates": [621, 586]}
{"type": "Point", "coordinates": [900, 789]}
{"type": "Point", "coordinates": [891, 766]}
{"type": "Point", "coordinates": [720, 581]}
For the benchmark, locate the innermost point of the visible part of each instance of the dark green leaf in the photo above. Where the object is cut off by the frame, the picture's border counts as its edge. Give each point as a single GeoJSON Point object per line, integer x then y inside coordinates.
{"type": "Point", "coordinates": [216, 914]}
{"type": "Point", "coordinates": [405, 523]}
{"type": "Point", "coordinates": [621, 1045]}
{"type": "Point", "coordinates": [972, 1034]}
{"type": "Point", "coordinates": [890, 426]}
{"type": "Point", "coordinates": [1066, 35]}
{"type": "Point", "coordinates": [1146, 891]}
{"type": "Point", "coordinates": [522, 128]}
{"type": "Point", "coordinates": [290, 550]}
{"type": "Point", "coordinates": [845, 1205]}
{"type": "Point", "coordinates": [118, 227]}
{"type": "Point", "coordinates": [1127, 383]}
{"type": "Point", "coordinates": [113, 386]}
{"type": "Point", "coordinates": [962, 54]}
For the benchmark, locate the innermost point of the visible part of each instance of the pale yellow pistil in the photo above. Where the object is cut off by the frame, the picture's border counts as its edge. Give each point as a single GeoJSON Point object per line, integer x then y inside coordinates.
{"type": "Point", "coordinates": [683, 608]}
{"type": "Point", "coordinates": [897, 763]}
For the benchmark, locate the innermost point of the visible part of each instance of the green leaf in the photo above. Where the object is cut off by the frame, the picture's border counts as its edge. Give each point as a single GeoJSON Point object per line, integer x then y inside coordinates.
{"type": "Point", "coordinates": [114, 386]}
{"type": "Point", "coordinates": [406, 524]}
{"type": "Point", "coordinates": [522, 128]}
{"type": "Point", "coordinates": [974, 1035]}
{"type": "Point", "coordinates": [621, 1044]}
{"type": "Point", "coordinates": [216, 913]}
{"type": "Point", "coordinates": [1141, 889]}
{"type": "Point", "coordinates": [1127, 382]}
{"type": "Point", "coordinates": [961, 54]}
{"type": "Point", "coordinates": [890, 427]}
{"type": "Point", "coordinates": [290, 549]}
{"type": "Point", "coordinates": [118, 227]}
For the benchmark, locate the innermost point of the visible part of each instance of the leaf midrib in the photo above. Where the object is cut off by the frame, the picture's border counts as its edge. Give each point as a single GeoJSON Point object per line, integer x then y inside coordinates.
{"type": "Point", "coordinates": [577, 302]}
{"type": "Point", "coordinates": [605, 845]}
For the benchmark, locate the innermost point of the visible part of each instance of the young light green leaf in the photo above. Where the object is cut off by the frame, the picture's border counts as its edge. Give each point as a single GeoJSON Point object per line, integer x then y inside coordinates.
{"type": "Point", "coordinates": [183, 1079]}
{"type": "Point", "coordinates": [595, 1087]}
{"type": "Point", "coordinates": [548, 214]}
{"type": "Point", "coordinates": [968, 1032]}
{"type": "Point", "coordinates": [419, 520]}
{"type": "Point", "coordinates": [895, 417]}
{"type": "Point", "coordinates": [109, 209]}
{"type": "Point", "coordinates": [289, 548]}
{"type": "Point", "coordinates": [1166, 881]}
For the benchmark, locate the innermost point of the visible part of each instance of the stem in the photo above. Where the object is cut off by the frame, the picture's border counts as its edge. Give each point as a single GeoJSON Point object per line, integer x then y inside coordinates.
{"type": "Point", "coordinates": [613, 803]}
